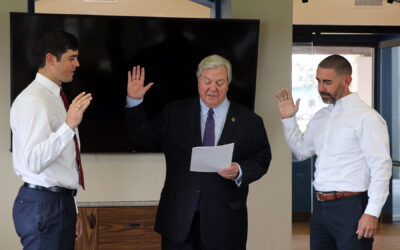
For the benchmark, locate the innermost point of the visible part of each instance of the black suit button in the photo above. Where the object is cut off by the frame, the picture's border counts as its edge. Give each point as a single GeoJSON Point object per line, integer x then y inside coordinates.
{"type": "Point", "coordinates": [197, 191]}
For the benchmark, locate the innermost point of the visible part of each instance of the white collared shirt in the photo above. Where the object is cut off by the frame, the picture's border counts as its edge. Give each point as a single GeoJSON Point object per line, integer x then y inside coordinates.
{"type": "Point", "coordinates": [43, 146]}
{"type": "Point", "coordinates": [351, 142]}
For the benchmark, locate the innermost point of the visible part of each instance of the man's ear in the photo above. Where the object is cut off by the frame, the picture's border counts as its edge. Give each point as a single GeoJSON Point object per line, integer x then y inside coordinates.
{"type": "Point", "coordinates": [50, 59]}
{"type": "Point", "coordinates": [348, 80]}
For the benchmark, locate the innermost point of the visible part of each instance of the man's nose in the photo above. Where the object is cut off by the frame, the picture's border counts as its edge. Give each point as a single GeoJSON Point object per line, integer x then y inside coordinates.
{"type": "Point", "coordinates": [77, 63]}
{"type": "Point", "coordinates": [321, 87]}
{"type": "Point", "coordinates": [213, 86]}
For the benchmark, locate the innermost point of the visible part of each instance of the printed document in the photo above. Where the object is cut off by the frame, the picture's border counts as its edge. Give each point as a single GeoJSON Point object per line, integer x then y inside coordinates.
{"type": "Point", "coordinates": [211, 159]}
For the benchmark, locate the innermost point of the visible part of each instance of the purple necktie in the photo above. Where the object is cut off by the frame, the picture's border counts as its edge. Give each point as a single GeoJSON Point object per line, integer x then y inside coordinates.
{"type": "Point", "coordinates": [209, 136]}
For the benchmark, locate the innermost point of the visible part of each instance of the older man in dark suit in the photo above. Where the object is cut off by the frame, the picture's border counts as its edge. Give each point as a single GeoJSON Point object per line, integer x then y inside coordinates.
{"type": "Point", "coordinates": [201, 210]}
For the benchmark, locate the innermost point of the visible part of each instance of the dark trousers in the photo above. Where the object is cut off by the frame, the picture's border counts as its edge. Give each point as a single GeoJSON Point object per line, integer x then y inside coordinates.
{"type": "Point", "coordinates": [44, 220]}
{"type": "Point", "coordinates": [193, 241]}
{"type": "Point", "coordinates": [334, 224]}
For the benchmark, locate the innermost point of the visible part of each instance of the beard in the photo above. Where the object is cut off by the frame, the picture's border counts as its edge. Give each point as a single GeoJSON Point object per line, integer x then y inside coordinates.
{"type": "Point", "coordinates": [328, 98]}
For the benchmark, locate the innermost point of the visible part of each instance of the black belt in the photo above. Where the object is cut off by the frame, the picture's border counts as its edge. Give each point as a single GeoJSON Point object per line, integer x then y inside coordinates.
{"type": "Point", "coordinates": [61, 190]}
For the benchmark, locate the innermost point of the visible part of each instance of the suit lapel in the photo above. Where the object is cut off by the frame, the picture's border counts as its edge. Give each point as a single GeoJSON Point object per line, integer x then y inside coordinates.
{"type": "Point", "coordinates": [193, 113]}
{"type": "Point", "coordinates": [229, 126]}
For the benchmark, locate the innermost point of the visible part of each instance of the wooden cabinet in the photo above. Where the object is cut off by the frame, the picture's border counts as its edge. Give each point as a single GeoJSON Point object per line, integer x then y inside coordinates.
{"type": "Point", "coordinates": [118, 228]}
{"type": "Point", "coordinates": [88, 240]}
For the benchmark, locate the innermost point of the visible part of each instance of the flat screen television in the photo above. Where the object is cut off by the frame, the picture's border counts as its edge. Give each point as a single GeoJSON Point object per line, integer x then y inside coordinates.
{"type": "Point", "coordinates": [169, 48]}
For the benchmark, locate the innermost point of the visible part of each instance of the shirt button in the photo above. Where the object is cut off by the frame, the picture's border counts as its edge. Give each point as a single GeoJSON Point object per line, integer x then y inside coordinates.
{"type": "Point", "coordinates": [197, 191]}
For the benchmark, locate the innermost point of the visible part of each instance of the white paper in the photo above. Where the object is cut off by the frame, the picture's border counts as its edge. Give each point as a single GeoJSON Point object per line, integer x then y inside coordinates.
{"type": "Point", "coordinates": [211, 159]}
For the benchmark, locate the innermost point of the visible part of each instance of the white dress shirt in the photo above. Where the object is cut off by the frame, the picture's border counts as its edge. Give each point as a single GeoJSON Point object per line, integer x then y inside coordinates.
{"type": "Point", "coordinates": [351, 142]}
{"type": "Point", "coordinates": [43, 146]}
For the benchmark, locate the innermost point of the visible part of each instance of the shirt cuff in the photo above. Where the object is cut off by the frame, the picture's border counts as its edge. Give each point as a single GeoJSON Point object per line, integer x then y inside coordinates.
{"type": "Point", "coordinates": [238, 179]}
{"type": "Point", "coordinates": [373, 209]}
{"type": "Point", "coordinates": [290, 122]}
{"type": "Point", "coordinates": [66, 132]}
{"type": "Point", "coordinates": [130, 102]}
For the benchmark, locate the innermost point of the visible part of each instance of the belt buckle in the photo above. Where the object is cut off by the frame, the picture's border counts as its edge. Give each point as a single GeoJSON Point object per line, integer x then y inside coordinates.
{"type": "Point", "coordinates": [318, 193]}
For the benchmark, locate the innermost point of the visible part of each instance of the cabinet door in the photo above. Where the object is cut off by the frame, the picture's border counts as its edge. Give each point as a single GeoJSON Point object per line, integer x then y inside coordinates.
{"type": "Point", "coordinates": [88, 240]}
{"type": "Point", "coordinates": [128, 228]}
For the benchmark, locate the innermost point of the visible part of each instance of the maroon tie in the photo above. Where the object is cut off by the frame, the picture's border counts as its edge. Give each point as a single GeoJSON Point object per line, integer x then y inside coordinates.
{"type": "Point", "coordinates": [78, 154]}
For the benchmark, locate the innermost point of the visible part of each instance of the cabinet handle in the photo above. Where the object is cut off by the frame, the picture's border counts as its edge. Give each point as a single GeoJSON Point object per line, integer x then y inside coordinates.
{"type": "Point", "coordinates": [92, 221]}
{"type": "Point", "coordinates": [132, 224]}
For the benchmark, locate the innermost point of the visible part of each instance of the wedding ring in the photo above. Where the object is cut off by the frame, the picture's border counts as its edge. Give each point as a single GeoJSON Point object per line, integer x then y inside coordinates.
{"type": "Point", "coordinates": [79, 106]}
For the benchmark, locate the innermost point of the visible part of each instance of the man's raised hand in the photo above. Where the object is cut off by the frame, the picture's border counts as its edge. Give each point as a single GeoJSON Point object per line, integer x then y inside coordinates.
{"type": "Point", "coordinates": [135, 86]}
{"type": "Point", "coordinates": [287, 108]}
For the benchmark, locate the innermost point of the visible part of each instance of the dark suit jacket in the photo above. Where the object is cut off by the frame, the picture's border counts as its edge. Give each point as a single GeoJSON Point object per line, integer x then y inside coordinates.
{"type": "Point", "coordinates": [222, 204]}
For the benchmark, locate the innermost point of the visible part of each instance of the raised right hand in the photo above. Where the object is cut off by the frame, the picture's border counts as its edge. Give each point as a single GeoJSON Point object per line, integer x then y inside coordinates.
{"type": "Point", "coordinates": [135, 87]}
{"type": "Point", "coordinates": [287, 108]}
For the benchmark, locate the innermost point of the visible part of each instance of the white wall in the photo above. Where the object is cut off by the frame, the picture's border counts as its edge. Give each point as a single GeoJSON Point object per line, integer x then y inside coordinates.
{"type": "Point", "coordinates": [270, 199]}
{"type": "Point", "coordinates": [344, 12]}
{"type": "Point", "coordinates": [9, 182]}
{"type": "Point", "coordinates": [166, 8]}
{"type": "Point", "coordinates": [363, 75]}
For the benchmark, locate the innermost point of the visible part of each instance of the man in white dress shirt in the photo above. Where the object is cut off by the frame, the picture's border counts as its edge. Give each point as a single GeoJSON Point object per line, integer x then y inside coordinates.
{"type": "Point", "coordinates": [45, 144]}
{"type": "Point", "coordinates": [353, 165]}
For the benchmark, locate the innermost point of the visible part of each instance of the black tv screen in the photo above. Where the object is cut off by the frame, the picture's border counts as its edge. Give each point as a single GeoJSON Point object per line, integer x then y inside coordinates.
{"type": "Point", "coordinates": [169, 48]}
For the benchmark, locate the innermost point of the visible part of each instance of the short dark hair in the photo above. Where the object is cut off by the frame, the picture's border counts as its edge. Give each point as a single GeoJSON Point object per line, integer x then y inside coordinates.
{"type": "Point", "coordinates": [338, 63]}
{"type": "Point", "coordinates": [53, 41]}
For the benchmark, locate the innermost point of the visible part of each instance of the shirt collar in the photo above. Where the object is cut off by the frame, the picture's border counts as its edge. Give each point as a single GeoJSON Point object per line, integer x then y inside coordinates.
{"type": "Point", "coordinates": [49, 84]}
{"type": "Point", "coordinates": [344, 101]}
{"type": "Point", "coordinates": [217, 110]}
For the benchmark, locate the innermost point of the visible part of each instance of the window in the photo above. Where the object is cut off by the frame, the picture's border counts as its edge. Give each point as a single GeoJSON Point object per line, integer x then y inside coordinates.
{"type": "Point", "coordinates": [305, 59]}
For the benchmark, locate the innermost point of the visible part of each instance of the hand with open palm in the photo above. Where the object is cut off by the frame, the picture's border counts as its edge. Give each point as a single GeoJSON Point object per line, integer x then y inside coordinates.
{"type": "Point", "coordinates": [135, 86]}
{"type": "Point", "coordinates": [287, 108]}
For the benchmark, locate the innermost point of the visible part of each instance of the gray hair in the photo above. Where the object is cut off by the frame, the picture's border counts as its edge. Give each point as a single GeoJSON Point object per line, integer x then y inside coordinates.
{"type": "Point", "coordinates": [212, 62]}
